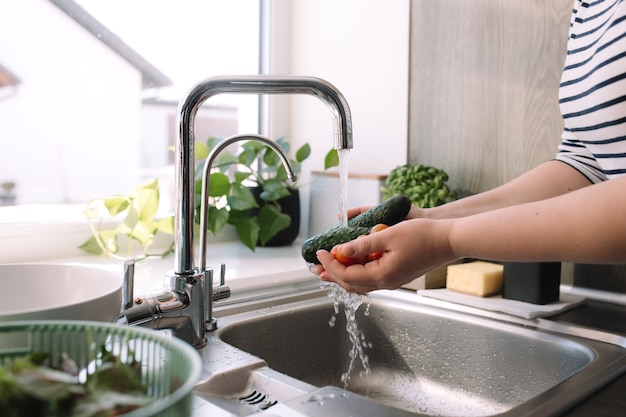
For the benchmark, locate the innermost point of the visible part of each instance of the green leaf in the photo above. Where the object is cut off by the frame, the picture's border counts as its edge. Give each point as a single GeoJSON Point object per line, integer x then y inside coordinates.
{"type": "Point", "coordinates": [212, 141]}
{"type": "Point", "coordinates": [166, 225]}
{"type": "Point", "coordinates": [247, 228]}
{"type": "Point", "coordinates": [219, 185]}
{"type": "Point", "coordinates": [143, 232]}
{"type": "Point", "coordinates": [271, 221]}
{"type": "Point", "coordinates": [253, 145]}
{"type": "Point", "coordinates": [91, 246]}
{"type": "Point", "coordinates": [331, 159]}
{"type": "Point", "coordinates": [274, 190]}
{"type": "Point", "coordinates": [218, 218]}
{"type": "Point", "coordinates": [224, 160]}
{"type": "Point", "coordinates": [116, 204]}
{"type": "Point", "coordinates": [109, 238]}
{"type": "Point", "coordinates": [303, 153]}
{"type": "Point", "coordinates": [152, 185]}
{"type": "Point", "coordinates": [146, 202]}
{"type": "Point", "coordinates": [270, 158]}
{"type": "Point", "coordinates": [201, 150]}
{"type": "Point", "coordinates": [132, 218]}
{"type": "Point", "coordinates": [119, 377]}
{"type": "Point", "coordinates": [241, 198]}
{"type": "Point", "coordinates": [248, 156]}
{"type": "Point", "coordinates": [284, 143]}
{"type": "Point", "coordinates": [281, 173]}
{"type": "Point", "coordinates": [106, 240]}
{"type": "Point", "coordinates": [241, 176]}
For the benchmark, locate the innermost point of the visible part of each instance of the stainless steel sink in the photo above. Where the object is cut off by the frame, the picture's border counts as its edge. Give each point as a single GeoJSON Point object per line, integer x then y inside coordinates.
{"type": "Point", "coordinates": [424, 360]}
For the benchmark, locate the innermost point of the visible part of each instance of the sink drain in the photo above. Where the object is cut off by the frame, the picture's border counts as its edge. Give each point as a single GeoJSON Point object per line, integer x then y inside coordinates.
{"type": "Point", "coordinates": [258, 399]}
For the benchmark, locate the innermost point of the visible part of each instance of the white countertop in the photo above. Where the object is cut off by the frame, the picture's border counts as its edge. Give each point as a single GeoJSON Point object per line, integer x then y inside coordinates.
{"type": "Point", "coordinates": [245, 270]}
{"type": "Point", "coordinates": [53, 234]}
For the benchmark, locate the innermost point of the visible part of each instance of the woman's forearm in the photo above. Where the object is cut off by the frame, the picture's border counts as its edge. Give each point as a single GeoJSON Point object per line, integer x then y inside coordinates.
{"type": "Point", "coordinates": [549, 179]}
{"type": "Point", "coordinates": [587, 226]}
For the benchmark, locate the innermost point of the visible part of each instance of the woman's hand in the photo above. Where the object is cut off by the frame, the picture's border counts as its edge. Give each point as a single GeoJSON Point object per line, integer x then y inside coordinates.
{"type": "Point", "coordinates": [404, 256]}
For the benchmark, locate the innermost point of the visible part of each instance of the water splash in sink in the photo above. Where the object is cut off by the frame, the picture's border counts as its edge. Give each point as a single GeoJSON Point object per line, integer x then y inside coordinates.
{"type": "Point", "coordinates": [351, 303]}
{"type": "Point", "coordinates": [424, 360]}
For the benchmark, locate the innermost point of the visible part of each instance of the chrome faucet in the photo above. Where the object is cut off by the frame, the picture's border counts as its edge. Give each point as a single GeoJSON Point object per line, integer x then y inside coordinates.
{"type": "Point", "coordinates": [186, 308]}
{"type": "Point", "coordinates": [254, 84]}
{"type": "Point", "coordinates": [209, 321]}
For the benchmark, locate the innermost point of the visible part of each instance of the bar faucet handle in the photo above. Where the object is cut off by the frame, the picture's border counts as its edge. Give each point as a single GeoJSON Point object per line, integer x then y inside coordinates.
{"type": "Point", "coordinates": [222, 290]}
{"type": "Point", "coordinates": [128, 284]}
{"type": "Point", "coordinates": [223, 274]}
{"type": "Point", "coordinates": [210, 323]}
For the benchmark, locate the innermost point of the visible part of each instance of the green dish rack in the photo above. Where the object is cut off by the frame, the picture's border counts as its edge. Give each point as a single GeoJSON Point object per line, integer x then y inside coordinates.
{"type": "Point", "coordinates": [170, 367]}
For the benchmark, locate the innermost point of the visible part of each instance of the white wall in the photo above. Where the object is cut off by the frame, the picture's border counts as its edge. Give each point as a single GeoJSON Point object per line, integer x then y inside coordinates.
{"type": "Point", "coordinates": [361, 47]}
{"type": "Point", "coordinates": [86, 94]}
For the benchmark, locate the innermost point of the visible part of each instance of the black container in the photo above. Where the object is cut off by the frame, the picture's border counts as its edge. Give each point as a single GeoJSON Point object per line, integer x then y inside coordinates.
{"type": "Point", "coordinates": [532, 282]}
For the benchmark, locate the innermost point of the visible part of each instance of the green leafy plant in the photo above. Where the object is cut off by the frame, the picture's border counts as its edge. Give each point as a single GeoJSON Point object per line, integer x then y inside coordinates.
{"type": "Point", "coordinates": [137, 212]}
{"type": "Point", "coordinates": [425, 186]}
{"type": "Point", "coordinates": [236, 174]}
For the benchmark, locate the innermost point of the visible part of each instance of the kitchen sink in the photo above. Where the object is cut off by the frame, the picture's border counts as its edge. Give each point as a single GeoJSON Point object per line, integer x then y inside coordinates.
{"type": "Point", "coordinates": [424, 360]}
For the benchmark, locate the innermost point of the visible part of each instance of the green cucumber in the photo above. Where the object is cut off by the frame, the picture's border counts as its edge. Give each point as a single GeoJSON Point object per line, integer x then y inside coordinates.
{"type": "Point", "coordinates": [389, 212]}
{"type": "Point", "coordinates": [328, 239]}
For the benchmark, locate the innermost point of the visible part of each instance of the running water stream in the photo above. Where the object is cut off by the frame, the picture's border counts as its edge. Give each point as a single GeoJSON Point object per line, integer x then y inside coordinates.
{"type": "Point", "coordinates": [350, 301]}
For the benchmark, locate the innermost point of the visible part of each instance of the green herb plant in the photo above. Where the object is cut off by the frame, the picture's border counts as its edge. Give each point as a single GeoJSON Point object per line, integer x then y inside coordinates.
{"type": "Point", "coordinates": [236, 173]}
{"type": "Point", "coordinates": [425, 186]}
{"type": "Point", "coordinates": [137, 212]}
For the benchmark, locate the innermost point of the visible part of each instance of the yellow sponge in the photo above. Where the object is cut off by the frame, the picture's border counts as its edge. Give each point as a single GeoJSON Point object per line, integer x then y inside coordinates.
{"type": "Point", "coordinates": [479, 278]}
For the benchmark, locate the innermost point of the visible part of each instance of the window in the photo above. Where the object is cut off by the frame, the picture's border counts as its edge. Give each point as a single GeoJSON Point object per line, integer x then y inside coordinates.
{"type": "Point", "coordinates": [91, 109]}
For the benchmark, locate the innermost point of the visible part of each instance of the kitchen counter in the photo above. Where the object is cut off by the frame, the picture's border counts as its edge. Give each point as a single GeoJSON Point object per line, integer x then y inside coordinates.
{"type": "Point", "coordinates": [609, 401]}
{"type": "Point", "coordinates": [246, 271]}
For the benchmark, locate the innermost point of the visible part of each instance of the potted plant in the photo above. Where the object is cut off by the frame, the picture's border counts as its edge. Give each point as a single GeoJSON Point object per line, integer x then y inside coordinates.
{"type": "Point", "coordinates": [136, 228]}
{"type": "Point", "coordinates": [426, 187]}
{"type": "Point", "coordinates": [250, 190]}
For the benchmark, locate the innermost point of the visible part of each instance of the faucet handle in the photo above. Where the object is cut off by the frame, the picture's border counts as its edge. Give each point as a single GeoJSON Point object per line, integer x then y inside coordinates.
{"type": "Point", "coordinates": [210, 322]}
{"type": "Point", "coordinates": [222, 290]}
{"type": "Point", "coordinates": [223, 274]}
{"type": "Point", "coordinates": [213, 293]}
{"type": "Point", "coordinates": [128, 283]}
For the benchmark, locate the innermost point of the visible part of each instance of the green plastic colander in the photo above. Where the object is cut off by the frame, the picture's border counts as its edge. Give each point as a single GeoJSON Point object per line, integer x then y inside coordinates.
{"type": "Point", "coordinates": [170, 367]}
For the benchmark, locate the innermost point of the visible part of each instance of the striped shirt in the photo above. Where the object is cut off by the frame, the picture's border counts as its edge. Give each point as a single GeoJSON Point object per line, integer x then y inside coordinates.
{"type": "Point", "coordinates": [592, 93]}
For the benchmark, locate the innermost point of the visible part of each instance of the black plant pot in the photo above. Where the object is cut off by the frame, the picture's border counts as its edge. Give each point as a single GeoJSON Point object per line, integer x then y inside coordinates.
{"type": "Point", "coordinates": [288, 205]}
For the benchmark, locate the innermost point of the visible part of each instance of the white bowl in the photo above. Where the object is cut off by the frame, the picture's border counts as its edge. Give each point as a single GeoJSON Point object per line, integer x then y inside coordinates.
{"type": "Point", "coordinates": [59, 292]}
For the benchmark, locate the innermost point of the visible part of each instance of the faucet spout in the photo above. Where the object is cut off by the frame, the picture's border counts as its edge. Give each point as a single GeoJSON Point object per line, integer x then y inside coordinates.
{"type": "Point", "coordinates": [186, 307]}
{"type": "Point", "coordinates": [185, 155]}
{"type": "Point", "coordinates": [204, 205]}
{"type": "Point", "coordinates": [211, 291]}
